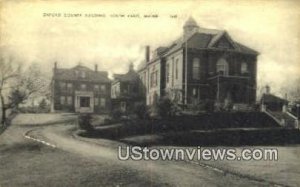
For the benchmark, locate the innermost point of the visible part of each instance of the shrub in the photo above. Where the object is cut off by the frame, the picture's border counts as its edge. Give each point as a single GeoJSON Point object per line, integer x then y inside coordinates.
{"type": "Point", "coordinates": [116, 114]}
{"type": "Point", "coordinates": [141, 110]}
{"type": "Point", "coordinates": [84, 122]}
{"type": "Point", "coordinates": [165, 107]}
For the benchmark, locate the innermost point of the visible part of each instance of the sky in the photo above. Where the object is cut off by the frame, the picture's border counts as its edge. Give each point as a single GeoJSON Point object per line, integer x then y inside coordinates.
{"type": "Point", "coordinates": [32, 32]}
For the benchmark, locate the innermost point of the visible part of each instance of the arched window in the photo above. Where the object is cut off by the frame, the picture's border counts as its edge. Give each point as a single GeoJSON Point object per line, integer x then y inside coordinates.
{"type": "Point", "coordinates": [196, 68]}
{"type": "Point", "coordinates": [244, 67]}
{"type": "Point", "coordinates": [222, 66]}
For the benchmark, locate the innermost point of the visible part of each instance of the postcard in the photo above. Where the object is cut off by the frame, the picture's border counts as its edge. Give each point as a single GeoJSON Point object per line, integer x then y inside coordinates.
{"type": "Point", "coordinates": [147, 93]}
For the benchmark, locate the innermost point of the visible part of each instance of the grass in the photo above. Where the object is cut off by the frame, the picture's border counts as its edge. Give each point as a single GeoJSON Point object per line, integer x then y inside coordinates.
{"type": "Point", "coordinates": [32, 164]}
{"type": "Point", "coordinates": [222, 128]}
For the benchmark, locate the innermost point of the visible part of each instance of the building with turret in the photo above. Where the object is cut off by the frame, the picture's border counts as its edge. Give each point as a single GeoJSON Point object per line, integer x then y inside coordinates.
{"type": "Point", "coordinates": [202, 64]}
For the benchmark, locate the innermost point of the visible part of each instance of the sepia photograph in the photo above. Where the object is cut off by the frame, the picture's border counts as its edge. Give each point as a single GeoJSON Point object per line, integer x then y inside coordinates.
{"type": "Point", "coordinates": [149, 93]}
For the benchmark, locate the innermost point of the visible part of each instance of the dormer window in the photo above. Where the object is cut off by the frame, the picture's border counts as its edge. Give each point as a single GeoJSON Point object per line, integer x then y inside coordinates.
{"type": "Point", "coordinates": [222, 67]}
{"type": "Point", "coordinates": [83, 75]}
{"type": "Point", "coordinates": [83, 86]}
{"type": "Point", "coordinates": [244, 67]}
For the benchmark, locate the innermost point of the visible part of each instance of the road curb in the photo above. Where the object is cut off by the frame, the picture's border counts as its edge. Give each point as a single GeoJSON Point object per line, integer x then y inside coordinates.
{"type": "Point", "coordinates": [27, 136]}
{"type": "Point", "coordinates": [231, 172]}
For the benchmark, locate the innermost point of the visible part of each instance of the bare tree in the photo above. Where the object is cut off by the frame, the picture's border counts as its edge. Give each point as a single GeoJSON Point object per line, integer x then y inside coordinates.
{"type": "Point", "coordinates": [16, 86]}
{"type": "Point", "coordinates": [292, 90]}
{"type": "Point", "coordinates": [9, 73]}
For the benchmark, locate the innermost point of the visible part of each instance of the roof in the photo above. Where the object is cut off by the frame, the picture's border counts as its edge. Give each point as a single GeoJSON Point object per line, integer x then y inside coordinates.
{"type": "Point", "coordinates": [142, 65]}
{"type": "Point", "coordinates": [270, 98]}
{"type": "Point", "coordinates": [130, 76]}
{"type": "Point", "coordinates": [70, 74]}
{"type": "Point", "coordinates": [206, 39]}
{"type": "Point", "coordinates": [191, 23]}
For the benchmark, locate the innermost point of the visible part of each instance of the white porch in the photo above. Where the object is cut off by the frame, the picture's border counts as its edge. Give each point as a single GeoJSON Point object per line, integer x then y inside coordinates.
{"type": "Point", "coordinates": [84, 102]}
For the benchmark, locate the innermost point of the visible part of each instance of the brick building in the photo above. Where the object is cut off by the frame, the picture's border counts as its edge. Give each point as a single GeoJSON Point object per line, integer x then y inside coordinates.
{"type": "Point", "coordinates": [202, 64]}
{"type": "Point", "coordinates": [80, 89]}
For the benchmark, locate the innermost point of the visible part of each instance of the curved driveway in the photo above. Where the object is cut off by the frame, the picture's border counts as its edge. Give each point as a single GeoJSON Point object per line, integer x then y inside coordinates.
{"type": "Point", "coordinates": [161, 172]}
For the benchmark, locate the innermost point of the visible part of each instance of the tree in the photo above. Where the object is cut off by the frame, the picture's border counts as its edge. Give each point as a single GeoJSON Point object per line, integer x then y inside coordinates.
{"type": "Point", "coordinates": [165, 107]}
{"type": "Point", "coordinates": [43, 104]}
{"type": "Point", "coordinates": [16, 86]}
{"type": "Point", "coordinates": [9, 73]}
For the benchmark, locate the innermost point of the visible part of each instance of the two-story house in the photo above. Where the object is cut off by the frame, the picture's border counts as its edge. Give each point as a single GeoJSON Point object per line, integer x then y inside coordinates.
{"type": "Point", "coordinates": [201, 64]}
{"type": "Point", "coordinates": [125, 90]}
{"type": "Point", "coordinates": [80, 89]}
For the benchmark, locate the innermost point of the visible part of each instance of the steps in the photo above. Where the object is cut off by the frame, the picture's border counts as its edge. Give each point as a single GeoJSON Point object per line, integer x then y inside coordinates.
{"type": "Point", "coordinates": [284, 118]}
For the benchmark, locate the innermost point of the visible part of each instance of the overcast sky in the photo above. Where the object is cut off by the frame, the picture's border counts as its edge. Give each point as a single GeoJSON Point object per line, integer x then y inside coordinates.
{"type": "Point", "coordinates": [270, 27]}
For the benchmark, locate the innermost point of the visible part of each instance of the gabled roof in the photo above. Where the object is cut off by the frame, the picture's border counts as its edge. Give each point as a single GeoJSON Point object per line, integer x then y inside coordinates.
{"type": "Point", "coordinates": [70, 74]}
{"type": "Point", "coordinates": [270, 98]}
{"type": "Point", "coordinates": [207, 40]}
{"type": "Point", "coordinates": [130, 76]}
{"type": "Point", "coordinates": [190, 23]}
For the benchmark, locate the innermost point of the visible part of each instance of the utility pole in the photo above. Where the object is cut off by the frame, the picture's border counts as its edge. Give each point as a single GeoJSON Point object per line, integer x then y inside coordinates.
{"type": "Point", "coordinates": [186, 66]}
{"type": "Point", "coordinates": [218, 89]}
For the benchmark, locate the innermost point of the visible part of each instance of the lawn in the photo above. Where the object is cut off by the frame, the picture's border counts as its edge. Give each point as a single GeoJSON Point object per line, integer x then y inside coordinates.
{"type": "Point", "coordinates": [32, 164]}
{"type": "Point", "coordinates": [223, 128]}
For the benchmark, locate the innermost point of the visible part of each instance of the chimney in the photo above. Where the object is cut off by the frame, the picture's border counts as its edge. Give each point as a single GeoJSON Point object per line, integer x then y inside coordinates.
{"type": "Point", "coordinates": [268, 89]}
{"type": "Point", "coordinates": [147, 53]}
{"type": "Point", "coordinates": [96, 67]}
{"type": "Point", "coordinates": [131, 67]}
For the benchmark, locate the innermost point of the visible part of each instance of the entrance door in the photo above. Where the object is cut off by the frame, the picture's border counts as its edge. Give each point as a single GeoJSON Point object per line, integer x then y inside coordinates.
{"type": "Point", "coordinates": [85, 102]}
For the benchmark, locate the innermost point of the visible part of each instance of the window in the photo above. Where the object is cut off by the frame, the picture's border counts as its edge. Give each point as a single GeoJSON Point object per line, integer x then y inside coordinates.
{"type": "Point", "coordinates": [83, 86]}
{"type": "Point", "coordinates": [96, 102]}
{"type": "Point", "coordinates": [69, 100]}
{"type": "Point", "coordinates": [62, 100]}
{"type": "Point", "coordinates": [194, 91]}
{"type": "Point", "coordinates": [167, 73]}
{"type": "Point", "coordinates": [222, 66]}
{"type": "Point", "coordinates": [123, 106]}
{"type": "Point", "coordinates": [62, 85]}
{"type": "Point", "coordinates": [196, 68]}
{"type": "Point", "coordinates": [153, 79]}
{"type": "Point", "coordinates": [244, 67]}
{"type": "Point", "coordinates": [69, 86]}
{"type": "Point", "coordinates": [176, 69]}
{"type": "Point", "coordinates": [102, 102]}
{"type": "Point", "coordinates": [76, 73]}
{"type": "Point", "coordinates": [96, 87]}
{"type": "Point", "coordinates": [103, 88]}
{"type": "Point", "coordinates": [145, 78]}
{"type": "Point", "coordinates": [82, 74]}
{"type": "Point", "coordinates": [129, 87]}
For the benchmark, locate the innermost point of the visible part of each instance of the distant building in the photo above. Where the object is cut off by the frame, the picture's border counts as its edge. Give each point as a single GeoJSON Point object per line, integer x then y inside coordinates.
{"type": "Point", "coordinates": [216, 67]}
{"type": "Point", "coordinates": [272, 102]}
{"type": "Point", "coordinates": [80, 89]}
{"type": "Point", "coordinates": [125, 90]}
